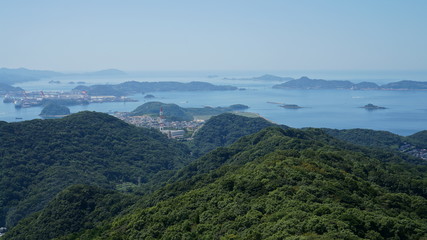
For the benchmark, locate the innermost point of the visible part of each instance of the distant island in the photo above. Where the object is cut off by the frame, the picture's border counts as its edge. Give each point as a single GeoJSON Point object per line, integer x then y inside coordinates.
{"type": "Point", "coordinates": [290, 106]}
{"type": "Point", "coordinates": [371, 106]}
{"type": "Point", "coordinates": [307, 83]}
{"type": "Point", "coordinates": [6, 88]}
{"type": "Point", "coordinates": [18, 75]}
{"type": "Point", "coordinates": [101, 73]}
{"type": "Point", "coordinates": [266, 77]}
{"type": "Point", "coordinates": [133, 87]}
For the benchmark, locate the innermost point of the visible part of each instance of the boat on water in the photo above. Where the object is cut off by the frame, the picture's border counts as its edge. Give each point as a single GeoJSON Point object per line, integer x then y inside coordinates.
{"type": "Point", "coordinates": [8, 99]}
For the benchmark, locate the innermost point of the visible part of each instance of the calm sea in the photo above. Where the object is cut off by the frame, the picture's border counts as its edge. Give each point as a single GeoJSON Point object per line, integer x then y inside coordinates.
{"type": "Point", "coordinates": [406, 111]}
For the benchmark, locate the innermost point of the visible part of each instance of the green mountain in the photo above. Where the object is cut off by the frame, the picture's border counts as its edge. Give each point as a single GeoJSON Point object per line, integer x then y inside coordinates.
{"type": "Point", "coordinates": [368, 137]}
{"type": "Point", "coordinates": [274, 184]}
{"type": "Point", "coordinates": [225, 129]}
{"type": "Point", "coordinates": [414, 145]}
{"type": "Point", "coordinates": [419, 139]}
{"type": "Point", "coordinates": [74, 207]}
{"type": "Point", "coordinates": [39, 158]}
{"type": "Point", "coordinates": [173, 112]}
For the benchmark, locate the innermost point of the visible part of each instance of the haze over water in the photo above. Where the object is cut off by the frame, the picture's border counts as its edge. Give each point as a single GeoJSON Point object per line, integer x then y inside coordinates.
{"type": "Point", "coordinates": [406, 111]}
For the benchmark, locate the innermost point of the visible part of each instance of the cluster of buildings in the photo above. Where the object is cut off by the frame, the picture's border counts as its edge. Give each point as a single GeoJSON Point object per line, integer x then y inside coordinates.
{"type": "Point", "coordinates": [173, 129]}
{"type": "Point", "coordinates": [412, 150]}
{"type": "Point", "coordinates": [2, 231]}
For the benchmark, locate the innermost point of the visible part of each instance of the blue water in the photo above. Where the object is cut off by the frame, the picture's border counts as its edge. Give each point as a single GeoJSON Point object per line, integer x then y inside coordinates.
{"type": "Point", "coordinates": [406, 111]}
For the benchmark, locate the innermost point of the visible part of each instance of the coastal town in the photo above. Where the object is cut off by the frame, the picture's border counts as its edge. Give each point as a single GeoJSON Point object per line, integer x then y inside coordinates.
{"type": "Point", "coordinates": [38, 98]}
{"type": "Point", "coordinates": [414, 151]}
{"type": "Point", "coordinates": [173, 129]}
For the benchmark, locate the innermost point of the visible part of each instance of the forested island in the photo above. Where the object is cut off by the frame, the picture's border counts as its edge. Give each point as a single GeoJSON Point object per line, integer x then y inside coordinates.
{"type": "Point", "coordinates": [54, 110]}
{"type": "Point", "coordinates": [134, 87]}
{"type": "Point", "coordinates": [307, 83]}
{"type": "Point", "coordinates": [92, 176]}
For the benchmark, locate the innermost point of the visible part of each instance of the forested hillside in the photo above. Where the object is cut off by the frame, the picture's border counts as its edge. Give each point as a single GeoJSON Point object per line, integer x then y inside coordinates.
{"type": "Point", "coordinates": [276, 184]}
{"type": "Point", "coordinates": [414, 145]}
{"type": "Point", "coordinates": [39, 158]}
{"type": "Point", "coordinates": [225, 129]}
{"type": "Point", "coordinates": [368, 137]}
{"type": "Point", "coordinates": [419, 139]}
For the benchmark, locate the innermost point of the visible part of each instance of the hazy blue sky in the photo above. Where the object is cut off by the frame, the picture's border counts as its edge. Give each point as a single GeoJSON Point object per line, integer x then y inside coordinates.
{"type": "Point", "coordinates": [214, 35]}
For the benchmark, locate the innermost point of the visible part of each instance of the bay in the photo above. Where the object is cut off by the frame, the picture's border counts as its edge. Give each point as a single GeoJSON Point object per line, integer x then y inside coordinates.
{"type": "Point", "coordinates": [406, 111]}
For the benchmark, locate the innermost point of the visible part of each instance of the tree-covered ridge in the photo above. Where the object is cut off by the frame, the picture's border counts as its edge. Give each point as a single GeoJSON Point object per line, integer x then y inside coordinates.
{"type": "Point", "coordinates": [39, 158]}
{"type": "Point", "coordinates": [225, 129]}
{"type": "Point", "coordinates": [414, 145]}
{"type": "Point", "coordinates": [73, 209]}
{"type": "Point", "coordinates": [274, 184]}
{"type": "Point", "coordinates": [368, 137]}
{"type": "Point", "coordinates": [419, 139]}
{"type": "Point", "coordinates": [173, 112]}
{"type": "Point", "coordinates": [279, 184]}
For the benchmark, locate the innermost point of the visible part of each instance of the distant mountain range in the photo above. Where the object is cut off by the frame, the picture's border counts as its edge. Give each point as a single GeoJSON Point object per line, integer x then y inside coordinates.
{"type": "Point", "coordinates": [307, 83]}
{"type": "Point", "coordinates": [18, 75]}
{"type": "Point", "coordinates": [266, 77]}
{"type": "Point", "coordinates": [12, 76]}
{"type": "Point", "coordinates": [102, 73]}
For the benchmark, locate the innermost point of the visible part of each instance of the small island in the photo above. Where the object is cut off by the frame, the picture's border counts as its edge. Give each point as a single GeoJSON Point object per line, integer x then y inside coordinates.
{"type": "Point", "coordinates": [149, 96]}
{"type": "Point", "coordinates": [53, 110]}
{"type": "Point", "coordinates": [290, 106]}
{"type": "Point", "coordinates": [371, 106]}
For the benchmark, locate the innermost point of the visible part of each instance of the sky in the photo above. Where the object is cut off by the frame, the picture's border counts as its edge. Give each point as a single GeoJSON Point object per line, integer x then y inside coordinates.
{"type": "Point", "coordinates": [194, 35]}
